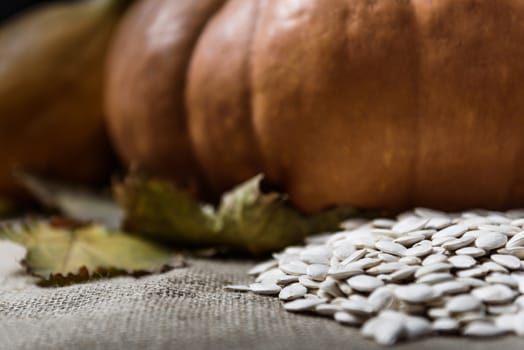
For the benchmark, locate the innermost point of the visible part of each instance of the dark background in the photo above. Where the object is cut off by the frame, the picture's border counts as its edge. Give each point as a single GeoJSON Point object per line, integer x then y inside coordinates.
{"type": "Point", "coordinates": [11, 7]}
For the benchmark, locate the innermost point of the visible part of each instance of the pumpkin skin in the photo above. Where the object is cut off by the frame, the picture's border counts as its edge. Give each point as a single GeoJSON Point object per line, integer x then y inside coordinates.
{"type": "Point", "coordinates": [146, 70]}
{"type": "Point", "coordinates": [377, 104]}
{"type": "Point", "coordinates": [51, 81]}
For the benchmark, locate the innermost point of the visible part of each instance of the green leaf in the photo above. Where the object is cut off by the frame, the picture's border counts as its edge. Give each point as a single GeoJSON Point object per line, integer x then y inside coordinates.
{"type": "Point", "coordinates": [262, 222]}
{"type": "Point", "coordinates": [247, 219]}
{"type": "Point", "coordinates": [159, 210]}
{"type": "Point", "coordinates": [62, 255]}
{"type": "Point", "coordinates": [73, 202]}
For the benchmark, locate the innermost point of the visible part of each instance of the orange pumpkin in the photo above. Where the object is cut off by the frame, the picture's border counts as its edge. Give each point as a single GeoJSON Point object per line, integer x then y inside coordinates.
{"type": "Point", "coordinates": [380, 104]}
{"type": "Point", "coordinates": [51, 81]}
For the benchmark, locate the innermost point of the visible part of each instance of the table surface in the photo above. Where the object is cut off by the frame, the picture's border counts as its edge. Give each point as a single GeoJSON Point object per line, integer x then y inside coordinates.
{"type": "Point", "coordinates": [185, 308]}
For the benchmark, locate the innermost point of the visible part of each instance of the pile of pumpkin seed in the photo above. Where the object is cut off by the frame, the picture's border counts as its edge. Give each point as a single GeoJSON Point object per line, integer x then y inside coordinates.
{"type": "Point", "coordinates": [427, 272]}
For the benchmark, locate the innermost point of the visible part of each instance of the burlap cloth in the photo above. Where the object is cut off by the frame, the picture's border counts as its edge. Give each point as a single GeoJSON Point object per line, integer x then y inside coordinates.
{"type": "Point", "coordinates": [182, 309]}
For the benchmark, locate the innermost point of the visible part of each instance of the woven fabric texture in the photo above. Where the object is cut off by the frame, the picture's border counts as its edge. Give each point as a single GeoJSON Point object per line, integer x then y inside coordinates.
{"type": "Point", "coordinates": [182, 309]}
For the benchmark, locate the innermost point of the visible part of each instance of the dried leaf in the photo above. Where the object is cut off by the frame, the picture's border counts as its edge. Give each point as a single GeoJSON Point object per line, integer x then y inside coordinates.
{"type": "Point", "coordinates": [159, 210]}
{"type": "Point", "coordinates": [247, 219]}
{"type": "Point", "coordinates": [73, 202]}
{"type": "Point", "coordinates": [62, 255]}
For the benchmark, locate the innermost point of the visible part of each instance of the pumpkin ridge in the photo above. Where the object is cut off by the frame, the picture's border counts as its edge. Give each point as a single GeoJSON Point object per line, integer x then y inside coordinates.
{"type": "Point", "coordinates": [411, 191]}
{"type": "Point", "coordinates": [201, 183]}
{"type": "Point", "coordinates": [251, 89]}
{"type": "Point", "coordinates": [219, 96]}
{"type": "Point", "coordinates": [146, 86]}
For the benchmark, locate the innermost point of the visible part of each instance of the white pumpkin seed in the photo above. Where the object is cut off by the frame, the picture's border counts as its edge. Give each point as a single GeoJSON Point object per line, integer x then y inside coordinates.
{"type": "Point", "coordinates": [505, 321]}
{"type": "Point", "coordinates": [292, 292]}
{"type": "Point", "coordinates": [403, 274]}
{"type": "Point", "coordinates": [471, 278]}
{"type": "Point", "coordinates": [262, 267]}
{"type": "Point", "coordinates": [330, 287]}
{"type": "Point", "coordinates": [345, 288]}
{"type": "Point", "coordinates": [353, 223]}
{"type": "Point", "coordinates": [434, 258]}
{"type": "Point", "coordinates": [472, 316]}
{"type": "Point", "coordinates": [438, 241]}
{"type": "Point", "coordinates": [384, 233]}
{"type": "Point", "coordinates": [502, 309]}
{"type": "Point", "coordinates": [494, 267]}
{"type": "Point", "coordinates": [427, 233]}
{"type": "Point", "coordinates": [270, 276]}
{"type": "Point", "coordinates": [438, 312]}
{"type": "Point", "coordinates": [385, 268]}
{"type": "Point", "coordinates": [362, 308]}
{"type": "Point", "coordinates": [509, 261]}
{"type": "Point", "coordinates": [364, 283]}
{"type": "Point", "coordinates": [419, 251]}
{"type": "Point", "coordinates": [475, 233]}
{"type": "Point", "coordinates": [308, 282]}
{"type": "Point", "coordinates": [478, 271]}
{"type": "Point", "coordinates": [409, 260]}
{"type": "Point", "coordinates": [388, 331]}
{"type": "Point", "coordinates": [515, 214]}
{"type": "Point", "coordinates": [497, 278]}
{"type": "Point", "coordinates": [518, 222]}
{"type": "Point", "coordinates": [303, 304]}
{"type": "Point", "coordinates": [265, 288]}
{"type": "Point", "coordinates": [445, 325]}
{"type": "Point", "coordinates": [327, 309]}
{"type": "Point", "coordinates": [380, 298]}
{"type": "Point", "coordinates": [348, 318]}
{"type": "Point", "coordinates": [458, 243]}
{"type": "Point", "coordinates": [344, 271]}
{"type": "Point", "coordinates": [494, 294]}
{"type": "Point", "coordinates": [472, 282]}
{"type": "Point", "coordinates": [508, 230]}
{"type": "Point", "coordinates": [462, 261]}
{"type": "Point", "coordinates": [317, 272]}
{"type": "Point", "coordinates": [294, 268]}
{"type": "Point", "coordinates": [416, 293]}
{"type": "Point", "coordinates": [344, 251]}
{"type": "Point", "coordinates": [515, 251]}
{"type": "Point", "coordinates": [409, 224]}
{"type": "Point", "coordinates": [383, 223]}
{"type": "Point", "coordinates": [416, 327]}
{"type": "Point", "coordinates": [373, 254]}
{"type": "Point", "coordinates": [452, 231]}
{"type": "Point", "coordinates": [490, 241]}
{"type": "Point", "coordinates": [516, 241]}
{"type": "Point", "coordinates": [366, 263]}
{"type": "Point", "coordinates": [438, 223]}
{"type": "Point", "coordinates": [471, 251]}
{"type": "Point", "coordinates": [482, 329]}
{"type": "Point", "coordinates": [409, 239]}
{"type": "Point", "coordinates": [438, 267]}
{"type": "Point", "coordinates": [433, 278]}
{"type": "Point", "coordinates": [463, 303]}
{"type": "Point", "coordinates": [237, 288]}
{"type": "Point", "coordinates": [370, 327]}
{"type": "Point", "coordinates": [429, 213]}
{"type": "Point", "coordinates": [518, 324]}
{"type": "Point", "coordinates": [286, 279]}
{"type": "Point", "coordinates": [451, 287]}
{"type": "Point", "coordinates": [385, 257]}
{"type": "Point", "coordinates": [390, 247]}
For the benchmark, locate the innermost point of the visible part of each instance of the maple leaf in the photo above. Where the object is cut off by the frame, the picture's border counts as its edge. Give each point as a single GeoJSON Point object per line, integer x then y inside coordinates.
{"type": "Point", "coordinates": [63, 254]}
